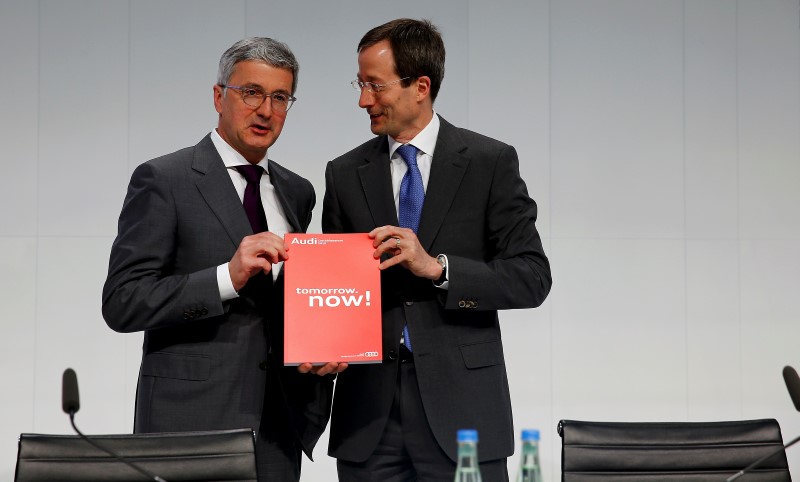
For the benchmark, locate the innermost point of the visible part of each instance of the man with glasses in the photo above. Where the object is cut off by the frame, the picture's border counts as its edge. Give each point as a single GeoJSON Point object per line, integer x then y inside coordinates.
{"type": "Point", "coordinates": [455, 230]}
{"type": "Point", "coordinates": [196, 265]}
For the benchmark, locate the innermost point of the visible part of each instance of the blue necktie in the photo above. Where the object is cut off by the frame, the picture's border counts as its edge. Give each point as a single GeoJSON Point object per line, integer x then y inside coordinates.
{"type": "Point", "coordinates": [412, 195]}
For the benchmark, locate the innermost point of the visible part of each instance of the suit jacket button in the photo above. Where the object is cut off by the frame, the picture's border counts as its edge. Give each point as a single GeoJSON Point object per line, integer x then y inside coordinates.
{"type": "Point", "coordinates": [462, 304]}
{"type": "Point", "coordinates": [204, 312]}
{"type": "Point", "coordinates": [392, 355]}
{"type": "Point", "coordinates": [409, 302]}
{"type": "Point", "coordinates": [263, 365]}
{"type": "Point", "coordinates": [187, 315]}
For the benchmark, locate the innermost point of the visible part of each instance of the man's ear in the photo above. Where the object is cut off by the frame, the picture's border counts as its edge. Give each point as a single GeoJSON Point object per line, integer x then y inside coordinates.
{"type": "Point", "coordinates": [423, 87]}
{"type": "Point", "coordinates": [218, 96]}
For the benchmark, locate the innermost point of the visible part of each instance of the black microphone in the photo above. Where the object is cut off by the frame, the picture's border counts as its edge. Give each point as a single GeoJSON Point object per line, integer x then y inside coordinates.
{"type": "Point", "coordinates": [793, 385]}
{"type": "Point", "coordinates": [70, 402]}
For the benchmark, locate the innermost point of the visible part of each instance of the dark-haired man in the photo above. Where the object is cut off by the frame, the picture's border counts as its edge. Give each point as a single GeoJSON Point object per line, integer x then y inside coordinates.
{"type": "Point", "coordinates": [196, 266]}
{"type": "Point", "coordinates": [455, 229]}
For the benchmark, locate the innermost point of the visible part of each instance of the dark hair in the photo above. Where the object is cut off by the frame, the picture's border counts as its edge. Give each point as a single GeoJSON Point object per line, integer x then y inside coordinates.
{"type": "Point", "coordinates": [267, 50]}
{"type": "Point", "coordinates": [417, 47]}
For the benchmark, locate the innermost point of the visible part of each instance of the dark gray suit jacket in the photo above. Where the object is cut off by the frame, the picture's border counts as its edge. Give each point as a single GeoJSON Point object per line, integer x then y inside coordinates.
{"type": "Point", "coordinates": [477, 211]}
{"type": "Point", "coordinates": [204, 361]}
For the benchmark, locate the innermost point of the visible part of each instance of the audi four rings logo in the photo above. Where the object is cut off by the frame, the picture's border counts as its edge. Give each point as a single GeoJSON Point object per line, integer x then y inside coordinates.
{"type": "Point", "coordinates": [371, 353]}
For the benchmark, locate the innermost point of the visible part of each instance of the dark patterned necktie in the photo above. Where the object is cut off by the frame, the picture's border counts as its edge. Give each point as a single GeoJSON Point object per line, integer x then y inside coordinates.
{"type": "Point", "coordinates": [412, 196]}
{"type": "Point", "coordinates": [252, 197]}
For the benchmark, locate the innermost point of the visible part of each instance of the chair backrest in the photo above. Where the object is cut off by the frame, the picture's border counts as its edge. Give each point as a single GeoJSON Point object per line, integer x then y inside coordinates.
{"type": "Point", "coordinates": [224, 455]}
{"type": "Point", "coordinates": [670, 451]}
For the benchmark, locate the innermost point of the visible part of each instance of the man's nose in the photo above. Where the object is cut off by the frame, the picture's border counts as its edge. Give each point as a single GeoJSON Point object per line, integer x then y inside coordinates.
{"type": "Point", "coordinates": [366, 98]}
{"type": "Point", "coordinates": [265, 109]}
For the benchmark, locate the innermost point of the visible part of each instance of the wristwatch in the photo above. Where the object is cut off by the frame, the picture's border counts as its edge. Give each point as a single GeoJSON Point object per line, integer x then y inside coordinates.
{"type": "Point", "coordinates": [442, 260]}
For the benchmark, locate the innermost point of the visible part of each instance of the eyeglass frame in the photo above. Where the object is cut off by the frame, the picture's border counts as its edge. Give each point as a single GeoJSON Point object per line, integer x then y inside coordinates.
{"type": "Point", "coordinates": [374, 88]}
{"type": "Point", "coordinates": [242, 88]}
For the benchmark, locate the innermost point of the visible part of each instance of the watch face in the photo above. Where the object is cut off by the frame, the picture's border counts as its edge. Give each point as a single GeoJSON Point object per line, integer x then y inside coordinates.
{"type": "Point", "coordinates": [443, 263]}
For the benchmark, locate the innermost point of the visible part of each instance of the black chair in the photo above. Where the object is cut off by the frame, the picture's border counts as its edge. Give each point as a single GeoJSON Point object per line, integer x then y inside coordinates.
{"type": "Point", "coordinates": [670, 451]}
{"type": "Point", "coordinates": [224, 455]}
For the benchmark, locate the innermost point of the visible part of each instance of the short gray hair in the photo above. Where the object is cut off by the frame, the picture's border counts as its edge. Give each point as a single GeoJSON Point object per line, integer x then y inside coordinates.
{"type": "Point", "coordinates": [267, 50]}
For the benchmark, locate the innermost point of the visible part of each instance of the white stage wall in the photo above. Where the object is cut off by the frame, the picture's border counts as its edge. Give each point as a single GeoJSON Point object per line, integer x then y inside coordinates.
{"type": "Point", "coordinates": [660, 138]}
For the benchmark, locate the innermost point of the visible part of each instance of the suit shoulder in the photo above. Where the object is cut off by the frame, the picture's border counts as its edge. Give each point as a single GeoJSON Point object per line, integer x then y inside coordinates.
{"type": "Point", "coordinates": [288, 173]}
{"type": "Point", "coordinates": [174, 160]}
{"type": "Point", "coordinates": [473, 138]}
{"type": "Point", "coordinates": [357, 155]}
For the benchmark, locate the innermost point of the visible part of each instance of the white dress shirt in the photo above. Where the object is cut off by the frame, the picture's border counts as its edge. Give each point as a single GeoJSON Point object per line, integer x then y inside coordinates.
{"type": "Point", "coordinates": [269, 198]}
{"type": "Point", "coordinates": [425, 142]}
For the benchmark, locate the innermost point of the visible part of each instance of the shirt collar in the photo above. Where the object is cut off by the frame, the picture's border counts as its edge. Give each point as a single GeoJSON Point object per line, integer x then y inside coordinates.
{"type": "Point", "coordinates": [231, 156]}
{"type": "Point", "coordinates": [425, 141]}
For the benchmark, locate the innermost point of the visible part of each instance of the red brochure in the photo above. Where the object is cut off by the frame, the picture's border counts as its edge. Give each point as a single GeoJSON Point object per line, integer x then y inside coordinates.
{"type": "Point", "coordinates": [332, 300]}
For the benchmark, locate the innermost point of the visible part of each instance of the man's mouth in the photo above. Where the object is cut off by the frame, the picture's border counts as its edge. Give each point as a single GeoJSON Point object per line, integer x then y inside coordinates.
{"type": "Point", "coordinates": [259, 129]}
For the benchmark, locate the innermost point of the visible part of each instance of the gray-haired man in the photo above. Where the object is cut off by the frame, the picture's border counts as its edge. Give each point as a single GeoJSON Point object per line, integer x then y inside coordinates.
{"type": "Point", "coordinates": [199, 273]}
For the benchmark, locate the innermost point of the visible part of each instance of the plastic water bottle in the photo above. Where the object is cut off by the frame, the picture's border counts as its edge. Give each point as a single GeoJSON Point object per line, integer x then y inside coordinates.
{"type": "Point", "coordinates": [529, 469]}
{"type": "Point", "coordinates": [467, 469]}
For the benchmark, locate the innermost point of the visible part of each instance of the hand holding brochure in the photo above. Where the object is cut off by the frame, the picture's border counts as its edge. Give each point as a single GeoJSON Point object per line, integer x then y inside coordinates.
{"type": "Point", "coordinates": [332, 300]}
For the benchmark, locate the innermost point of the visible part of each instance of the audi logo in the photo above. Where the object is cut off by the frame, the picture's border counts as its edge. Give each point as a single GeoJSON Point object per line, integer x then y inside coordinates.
{"type": "Point", "coordinates": [371, 353]}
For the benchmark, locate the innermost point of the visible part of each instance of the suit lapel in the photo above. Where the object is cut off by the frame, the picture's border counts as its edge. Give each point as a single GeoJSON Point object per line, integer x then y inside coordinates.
{"type": "Point", "coordinates": [217, 189]}
{"type": "Point", "coordinates": [447, 170]}
{"type": "Point", "coordinates": [282, 184]}
{"type": "Point", "coordinates": [376, 180]}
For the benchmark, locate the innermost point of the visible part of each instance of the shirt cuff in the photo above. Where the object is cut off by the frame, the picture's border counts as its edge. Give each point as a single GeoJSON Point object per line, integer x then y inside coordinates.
{"type": "Point", "coordinates": [446, 283]}
{"type": "Point", "coordinates": [226, 291]}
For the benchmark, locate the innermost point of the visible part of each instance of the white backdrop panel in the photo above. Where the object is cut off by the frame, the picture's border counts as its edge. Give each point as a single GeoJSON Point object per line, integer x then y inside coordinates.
{"type": "Point", "coordinates": [82, 115]}
{"type": "Point", "coordinates": [18, 342]}
{"type": "Point", "coordinates": [19, 122]}
{"type": "Point", "coordinates": [619, 330]}
{"type": "Point", "coordinates": [616, 119]}
{"type": "Point", "coordinates": [174, 52]}
{"type": "Point", "coordinates": [509, 89]}
{"type": "Point", "coordinates": [769, 331]}
{"type": "Point", "coordinates": [710, 113]}
{"type": "Point", "coordinates": [769, 119]}
{"type": "Point", "coordinates": [713, 329]}
{"type": "Point", "coordinates": [70, 332]}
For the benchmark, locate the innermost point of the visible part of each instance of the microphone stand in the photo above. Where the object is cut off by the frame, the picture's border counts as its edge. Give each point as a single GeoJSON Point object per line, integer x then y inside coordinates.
{"type": "Point", "coordinates": [109, 452]}
{"type": "Point", "coordinates": [760, 461]}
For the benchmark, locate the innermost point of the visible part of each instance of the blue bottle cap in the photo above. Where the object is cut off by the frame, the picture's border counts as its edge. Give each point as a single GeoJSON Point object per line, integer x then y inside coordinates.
{"type": "Point", "coordinates": [467, 435]}
{"type": "Point", "coordinates": [530, 435]}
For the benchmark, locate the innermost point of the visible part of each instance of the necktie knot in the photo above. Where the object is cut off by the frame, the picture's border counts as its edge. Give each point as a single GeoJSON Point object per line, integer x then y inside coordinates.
{"type": "Point", "coordinates": [408, 153]}
{"type": "Point", "coordinates": [251, 172]}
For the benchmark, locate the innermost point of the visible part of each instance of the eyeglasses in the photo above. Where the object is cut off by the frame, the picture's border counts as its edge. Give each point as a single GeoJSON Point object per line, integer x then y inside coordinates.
{"type": "Point", "coordinates": [373, 87]}
{"type": "Point", "coordinates": [254, 97]}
